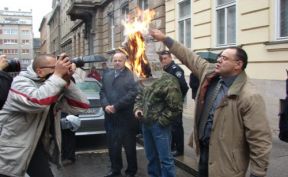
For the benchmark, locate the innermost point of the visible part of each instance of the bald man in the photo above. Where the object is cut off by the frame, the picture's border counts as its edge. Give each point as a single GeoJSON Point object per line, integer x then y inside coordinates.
{"type": "Point", "coordinates": [117, 99]}
{"type": "Point", "coordinates": [30, 131]}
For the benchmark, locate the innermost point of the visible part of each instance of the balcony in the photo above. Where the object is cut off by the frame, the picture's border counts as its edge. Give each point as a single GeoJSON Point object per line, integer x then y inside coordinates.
{"type": "Point", "coordinates": [83, 9]}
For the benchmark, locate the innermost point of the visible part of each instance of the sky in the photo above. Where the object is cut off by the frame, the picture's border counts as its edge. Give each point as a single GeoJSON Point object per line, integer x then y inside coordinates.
{"type": "Point", "coordinates": [39, 9]}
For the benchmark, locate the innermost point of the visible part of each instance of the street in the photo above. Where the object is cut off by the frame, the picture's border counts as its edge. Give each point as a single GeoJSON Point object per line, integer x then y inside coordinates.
{"type": "Point", "coordinates": [94, 161]}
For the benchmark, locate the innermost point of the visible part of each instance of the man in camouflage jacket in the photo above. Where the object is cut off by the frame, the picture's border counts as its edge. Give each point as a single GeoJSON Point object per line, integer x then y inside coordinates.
{"type": "Point", "coordinates": [157, 105]}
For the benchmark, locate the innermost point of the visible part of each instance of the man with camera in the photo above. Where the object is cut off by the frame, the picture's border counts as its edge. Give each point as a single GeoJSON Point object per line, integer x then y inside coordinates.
{"type": "Point", "coordinates": [5, 80]}
{"type": "Point", "coordinates": [30, 131]}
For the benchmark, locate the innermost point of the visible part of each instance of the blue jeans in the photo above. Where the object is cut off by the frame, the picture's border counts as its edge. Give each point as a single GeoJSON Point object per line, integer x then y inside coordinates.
{"type": "Point", "coordinates": [157, 145]}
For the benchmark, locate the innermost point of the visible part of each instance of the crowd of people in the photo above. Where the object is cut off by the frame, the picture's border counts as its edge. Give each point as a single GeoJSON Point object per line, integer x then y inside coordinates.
{"type": "Point", "coordinates": [230, 132]}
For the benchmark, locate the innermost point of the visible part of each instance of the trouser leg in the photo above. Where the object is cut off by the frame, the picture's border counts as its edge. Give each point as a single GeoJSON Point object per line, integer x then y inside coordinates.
{"type": "Point", "coordinates": [154, 168]}
{"type": "Point", "coordinates": [178, 135]}
{"type": "Point", "coordinates": [116, 151]}
{"type": "Point", "coordinates": [68, 145]}
{"type": "Point", "coordinates": [203, 162]}
{"type": "Point", "coordinates": [39, 164]}
{"type": "Point", "coordinates": [162, 138]}
{"type": "Point", "coordinates": [129, 143]}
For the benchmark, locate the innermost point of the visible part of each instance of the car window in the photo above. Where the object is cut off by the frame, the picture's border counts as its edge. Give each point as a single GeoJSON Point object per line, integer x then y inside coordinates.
{"type": "Point", "coordinates": [89, 87]}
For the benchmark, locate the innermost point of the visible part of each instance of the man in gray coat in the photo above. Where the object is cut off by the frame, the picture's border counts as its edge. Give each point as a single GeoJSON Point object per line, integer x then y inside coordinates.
{"type": "Point", "coordinates": [230, 125]}
{"type": "Point", "coordinates": [30, 119]}
{"type": "Point", "coordinates": [117, 97]}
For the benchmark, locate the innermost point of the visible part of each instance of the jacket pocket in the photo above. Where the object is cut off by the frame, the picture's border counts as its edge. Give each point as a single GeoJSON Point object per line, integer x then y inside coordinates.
{"type": "Point", "coordinates": [13, 158]}
{"type": "Point", "coordinates": [239, 160]}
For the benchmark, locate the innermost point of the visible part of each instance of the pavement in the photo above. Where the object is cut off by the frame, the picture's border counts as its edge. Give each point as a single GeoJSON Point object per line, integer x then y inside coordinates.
{"type": "Point", "coordinates": [188, 162]}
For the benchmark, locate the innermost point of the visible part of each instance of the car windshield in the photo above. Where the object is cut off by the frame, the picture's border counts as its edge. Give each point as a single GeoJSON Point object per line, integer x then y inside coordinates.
{"type": "Point", "coordinates": [89, 87]}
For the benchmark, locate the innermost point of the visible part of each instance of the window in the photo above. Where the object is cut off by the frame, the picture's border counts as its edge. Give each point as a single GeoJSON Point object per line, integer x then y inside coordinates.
{"type": "Point", "coordinates": [125, 11]}
{"type": "Point", "coordinates": [111, 32]}
{"type": "Point", "coordinates": [25, 41]}
{"type": "Point", "coordinates": [143, 4]}
{"type": "Point", "coordinates": [10, 51]}
{"type": "Point", "coordinates": [25, 51]}
{"type": "Point", "coordinates": [10, 31]}
{"type": "Point", "coordinates": [10, 41]}
{"type": "Point", "coordinates": [282, 19]}
{"type": "Point", "coordinates": [226, 22]}
{"type": "Point", "coordinates": [184, 23]}
{"type": "Point", "coordinates": [25, 32]}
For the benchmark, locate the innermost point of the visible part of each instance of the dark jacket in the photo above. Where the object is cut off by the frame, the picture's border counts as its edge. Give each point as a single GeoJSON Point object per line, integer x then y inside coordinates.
{"type": "Point", "coordinates": [5, 81]}
{"type": "Point", "coordinates": [178, 72]}
{"type": "Point", "coordinates": [194, 84]}
{"type": "Point", "coordinates": [120, 92]}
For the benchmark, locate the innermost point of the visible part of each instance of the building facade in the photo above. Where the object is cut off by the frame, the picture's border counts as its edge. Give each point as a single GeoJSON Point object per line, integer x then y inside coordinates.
{"type": "Point", "coordinates": [45, 35]}
{"type": "Point", "coordinates": [16, 35]}
{"type": "Point", "coordinates": [260, 27]}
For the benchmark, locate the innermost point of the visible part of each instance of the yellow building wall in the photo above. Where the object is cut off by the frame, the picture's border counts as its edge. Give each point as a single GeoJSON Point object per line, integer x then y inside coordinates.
{"type": "Point", "coordinates": [255, 31]}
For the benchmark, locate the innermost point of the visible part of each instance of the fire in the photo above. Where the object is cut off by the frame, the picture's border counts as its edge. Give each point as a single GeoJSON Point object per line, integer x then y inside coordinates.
{"type": "Point", "coordinates": [134, 31]}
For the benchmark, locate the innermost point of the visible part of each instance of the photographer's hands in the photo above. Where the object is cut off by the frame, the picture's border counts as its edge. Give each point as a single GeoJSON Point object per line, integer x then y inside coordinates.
{"type": "Point", "coordinates": [64, 68]}
{"type": "Point", "coordinates": [3, 62]}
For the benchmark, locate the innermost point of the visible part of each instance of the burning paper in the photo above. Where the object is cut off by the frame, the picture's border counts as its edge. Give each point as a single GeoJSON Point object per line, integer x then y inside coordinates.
{"type": "Point", "coordinates": [139, 46]}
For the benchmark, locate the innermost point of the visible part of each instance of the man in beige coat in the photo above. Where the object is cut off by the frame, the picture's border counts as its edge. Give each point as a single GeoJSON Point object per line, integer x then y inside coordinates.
{"type": "Point", "coordinates": [231, 129]}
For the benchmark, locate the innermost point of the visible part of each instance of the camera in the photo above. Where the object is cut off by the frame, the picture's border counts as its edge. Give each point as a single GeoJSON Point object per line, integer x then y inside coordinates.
{"type": "Point", "coordinates": [80, 61]}
{"type": "Point", "coordinates": [13, 66]}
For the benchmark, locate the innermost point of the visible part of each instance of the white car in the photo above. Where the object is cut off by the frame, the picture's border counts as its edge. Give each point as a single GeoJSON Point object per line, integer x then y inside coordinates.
{"type": "Point", "coordinates": [92, 121]}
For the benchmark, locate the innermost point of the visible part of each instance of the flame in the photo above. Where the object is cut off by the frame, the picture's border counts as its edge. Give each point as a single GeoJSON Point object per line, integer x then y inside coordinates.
{"type": "Point", "coordinates": [135, 28]}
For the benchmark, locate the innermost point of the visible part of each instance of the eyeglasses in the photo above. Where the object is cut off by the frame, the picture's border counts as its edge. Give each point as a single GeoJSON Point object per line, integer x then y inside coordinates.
{"type": "Point", "coordinates": [224, 58]}
{"type": "Point", "coordinates": [42, 67]}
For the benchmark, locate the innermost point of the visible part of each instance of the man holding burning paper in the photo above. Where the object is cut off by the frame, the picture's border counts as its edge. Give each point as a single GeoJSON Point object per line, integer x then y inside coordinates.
{"type": "Point", "coordinates": [231, 129]}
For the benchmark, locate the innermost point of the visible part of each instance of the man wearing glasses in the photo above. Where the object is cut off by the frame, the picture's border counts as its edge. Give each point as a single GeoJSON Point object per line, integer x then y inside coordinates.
{"type": "Point", "coordinates": [231, 129]}
{"type": "Point", "coordinates": [30, 131]}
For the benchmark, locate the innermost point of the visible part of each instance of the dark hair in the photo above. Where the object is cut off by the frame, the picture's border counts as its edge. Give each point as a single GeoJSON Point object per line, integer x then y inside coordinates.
{"type": "Point", "coordinates": [241, 55]}
{"type": "Point", "coordinates": [164, 52]}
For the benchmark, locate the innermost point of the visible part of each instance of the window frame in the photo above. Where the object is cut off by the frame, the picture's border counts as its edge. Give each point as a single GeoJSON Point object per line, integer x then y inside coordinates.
{"type": "Point", "coordinates": [142, 3]}
{"type": "Point", "coordinates": [278, 22]}
{"type": "Point", "coordinates": [111, 25]}
{"type": "Point", "coordinates": [225, 7]}
{"type": "Point", "coordinates": [184, 20]}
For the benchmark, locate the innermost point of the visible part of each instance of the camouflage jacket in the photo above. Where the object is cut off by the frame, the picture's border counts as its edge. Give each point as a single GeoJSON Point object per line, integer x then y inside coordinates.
{"type": "Point", "coordinates": [162, 101]}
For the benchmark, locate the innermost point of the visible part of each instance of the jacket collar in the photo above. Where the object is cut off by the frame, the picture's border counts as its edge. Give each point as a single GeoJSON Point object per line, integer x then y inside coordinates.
{"type": "Point", "coordinates": [237, 84]}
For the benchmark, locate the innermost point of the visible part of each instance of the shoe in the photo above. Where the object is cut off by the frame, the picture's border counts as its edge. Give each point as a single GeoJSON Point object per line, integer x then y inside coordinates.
{"type": "Point", "coordinates": [139, 136]}
{"type": "Point", "coordinates": [128, 175]}
{"type": "Point", "coordinates": [67, 162]}
{"type": "Point", "coordinates": [113, 174]}
{"type": "Point", "coordinates": [177, 153]}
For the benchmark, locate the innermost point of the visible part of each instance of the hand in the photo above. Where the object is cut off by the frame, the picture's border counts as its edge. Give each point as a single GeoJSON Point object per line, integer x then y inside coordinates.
{"type": "Point", "coordinates": [113, 110]}
{"type": "Point", "coordinates": [3, 62]}
{"type": "Point", "coordinates": [157, 34]}
{"type": "Point", "coordinates": [138, 114]}
{"type": "Point", "coordinates": [63, 66]}
{"type": "Point", "coordinates": [109, 109]}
